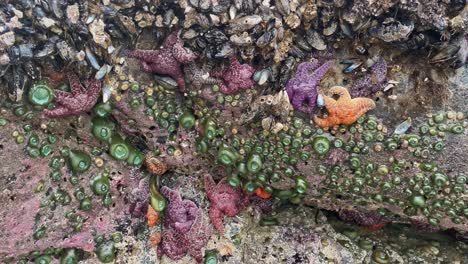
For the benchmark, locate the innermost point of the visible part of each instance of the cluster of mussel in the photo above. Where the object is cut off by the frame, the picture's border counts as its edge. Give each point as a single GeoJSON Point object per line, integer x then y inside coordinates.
{"type": "Point", "coordinates": [43, 36]}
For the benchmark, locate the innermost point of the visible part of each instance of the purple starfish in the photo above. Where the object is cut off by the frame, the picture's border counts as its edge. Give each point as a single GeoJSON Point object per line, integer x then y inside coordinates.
{"type": "Point", "coordinates": [184, 231]}
{"type": "Point", "coordinates": [80, 99]}
{"type": "Point", "coordinates": [302, 88]}
{"type": "Point", "coordinates": [225, 200]}
{"type": "Point", "coordinates": [236, 77]}
{"type": "Point", "coordinates": [180, 213]}
{"type": "Point", "coordinates": [371, 83]}
{"type": "Point", "coordinates": [167, 60]}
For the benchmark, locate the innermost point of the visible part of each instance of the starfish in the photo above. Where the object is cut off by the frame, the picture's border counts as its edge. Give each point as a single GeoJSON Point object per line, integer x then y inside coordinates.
{"type": "Point", "coordinates": [184, 231]}
{"type": "Point", "coordinates": [224, 199]}
{"type": "Point", "coordinates": [80, 99]}
{"type": "Point", "coordinates": [167, 60]}
{"type": "Point", "coordinates": [302, 88]}
{"type": "Point", "coordinates": [371, 83]}
{"type": "Point", "coordinates": [199, 76]}
{"type": "Point", "coordinates": [344, 110]}
{"type": "Point", "coordinates": [180, 213]}
{"type": "Point", "coordinates": [236, 77]}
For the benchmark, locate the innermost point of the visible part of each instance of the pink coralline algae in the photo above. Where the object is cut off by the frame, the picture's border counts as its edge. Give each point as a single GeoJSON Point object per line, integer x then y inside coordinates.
{"type": "Point", "coordinates": [184, 231]}
{"type": "Point", "coordinates": [370, 219]}
{"type": "Point", "coordinates": [80, 99]}
{"type": "Point", "coordinates": [224, 199]}
{"type": "Point", "coordinates": [236, 77]}
{"type": "Point", "coordinates": [302, 88]}
{"type": "Point", "coordinates": [336, 156]}
{"type": "Point", "coordinates": [371, 83]}
{"type": "Point", "coordinates": [264, 205]}
{"type": "Point", "coordinates": [167, 60]}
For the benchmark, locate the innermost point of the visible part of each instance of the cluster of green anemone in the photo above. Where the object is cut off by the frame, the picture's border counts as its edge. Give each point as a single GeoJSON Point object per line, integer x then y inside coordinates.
{"type": "Point", "coordinates": [35, 146]}
{"type": "Point", "coordinates": [40, 96]}
{"type": "Point", "coordinates": [105, 247]}
{"type": "Point", "coordinates": [103, 129]}
{"type": "Point", "coordinates": [105, 251]}
{"type": "Point", "coordinates": [51, 255]}
{"type": "Point", "coordinates": [261, 158]}
{"type": "Point", "coordinates": [426, 188]}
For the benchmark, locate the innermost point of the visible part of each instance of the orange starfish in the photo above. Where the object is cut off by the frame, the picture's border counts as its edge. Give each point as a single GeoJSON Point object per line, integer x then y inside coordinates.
{"type": "Point", "coordinates": [344, 110]}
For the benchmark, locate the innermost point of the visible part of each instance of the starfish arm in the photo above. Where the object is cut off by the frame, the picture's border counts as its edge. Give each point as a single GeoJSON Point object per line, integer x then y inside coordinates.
{"type": "Point", "coordinates": [330, 103]}
{"type": "Point", "coordinates": [73, 103]}
{"type": "Point", "coordinates": [232, 210]}
{"type": "Point", "coordinates": [59, 94]}
{"type": "Point", "coordinates": [217, 73]}
{"type": "Point", "coordinates": [341, 91]}
{"type": "Point", "coordinates": [379, 70]}
{"type": "Point", "coordinates": [359, 87]}
{"type": "Point", "coordinates": [363, 104]}
{"type": "Point", "coordinates": [234, 62]}
{"type": "Point", "coordinates": [66, 100]}
{"type": "Point", "coordinates": [173, 245]}
{"type": "Point", "coordinates": [322, 70]}
{"type": "Point", "coordinates": [311, 104]}
{"type": "Point", "coordinates": [192, 209]}
{"type": "Point", "coordinates": [147, 67]}
{"type": "Point", "coordinates": [196, 254]}
{"type": "Point", "coordinates": [180, 82]}
{"type": "Point", "coordinates": [210, 184]}
{"type": "Point", "coordinates": [183, 227]}
{"type": "Point", "coordinates": [60, 111]}
{"type": "Point", "coordinates": [75, 85]}
{"type": "Point", "coordinates": [225, 89]}
{"type": "Point", "coordinates": [233, 87]}
{"type": "Point", "coordinates": [298, 98]}
{"type": "Point", "coordinates": [306, 67]}
{"type": "Point", "coordinates": [321, 122]}
{"type": "Point", "coordinates": [182, 54]}
{"type": "Point", "coordinates": [172, 195]}
{"type": "Point", "coordinates": [216, 218]}
{"type": "Point", "coordinates": [94, 89]}
{"type": "Point", "coordinates": [247, 84]}
{"type": "Point", "coordinates": [143, 55]}
{"type": "Point", "coordinates": [172, 39]}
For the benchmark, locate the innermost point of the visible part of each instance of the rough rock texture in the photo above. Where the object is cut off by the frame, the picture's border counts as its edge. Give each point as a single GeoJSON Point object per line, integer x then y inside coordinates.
{"type": "Point", "coordinates": [21, 214]}
{"type": "Point", "coordinates": [296, 234]}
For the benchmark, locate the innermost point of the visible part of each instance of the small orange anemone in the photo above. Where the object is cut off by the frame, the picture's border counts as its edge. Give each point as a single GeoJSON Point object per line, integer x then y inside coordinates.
{"type": "Point", "coordinates": [155, 239]}
{"type": "Point", "coordinates": [152, 216]}
{"type": "Point", "coordinates": [155, 166]}
{"type": "Point", "coordinates": [262, 193]}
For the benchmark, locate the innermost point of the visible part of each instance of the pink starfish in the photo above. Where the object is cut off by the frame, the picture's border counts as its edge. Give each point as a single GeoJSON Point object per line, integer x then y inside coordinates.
{"type": "Point", "coordinates": [80, 99]}
{"type": "Point", "coordinates": [167, 60]}
{"type": "Point", "coordinates": [236, 77]}
{"type": "Point", "coordinates": [224, 199]}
